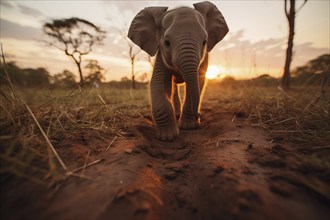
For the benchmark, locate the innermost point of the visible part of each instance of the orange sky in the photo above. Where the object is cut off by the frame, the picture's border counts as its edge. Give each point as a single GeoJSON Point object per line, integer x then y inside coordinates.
{"type": "Point", "coordinates": [255, 44]}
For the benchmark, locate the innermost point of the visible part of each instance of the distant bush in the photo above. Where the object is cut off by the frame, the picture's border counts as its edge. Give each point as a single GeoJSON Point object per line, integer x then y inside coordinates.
{"type": "Point", "coordinates": [64, 79]}
{"type": "Point", "coordinates": [125, 84]}
{"type": "Point", "coordinates": [316, 71]}
{"type": "Point", "coordinates": [228, 80]}
{"type": "Point", "coordinates": [263, 80]}
{"type": "Point", "coordinates": [28, 77]}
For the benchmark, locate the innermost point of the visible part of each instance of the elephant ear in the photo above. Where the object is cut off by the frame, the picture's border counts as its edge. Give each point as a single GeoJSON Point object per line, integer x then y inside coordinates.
{"type": "Point", "coordinates": [216, 25]}
{"type": "Point", "coordinates": [144, 29]}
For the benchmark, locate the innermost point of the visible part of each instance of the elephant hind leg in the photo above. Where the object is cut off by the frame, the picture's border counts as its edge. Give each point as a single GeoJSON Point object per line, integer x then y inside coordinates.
{"type": "Point", "coordinates": [176, 99]}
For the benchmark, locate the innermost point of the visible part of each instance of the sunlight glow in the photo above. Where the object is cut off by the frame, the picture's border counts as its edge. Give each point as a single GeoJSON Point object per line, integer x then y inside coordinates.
{"type": "Point", "coordinates": [214, 71]}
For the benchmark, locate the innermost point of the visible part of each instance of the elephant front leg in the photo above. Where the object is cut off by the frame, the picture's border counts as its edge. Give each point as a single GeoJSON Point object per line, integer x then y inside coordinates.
{"type": "Point", "coordinates": [188, 120]}
{"type": "Point", "coordinates": [162, 109]}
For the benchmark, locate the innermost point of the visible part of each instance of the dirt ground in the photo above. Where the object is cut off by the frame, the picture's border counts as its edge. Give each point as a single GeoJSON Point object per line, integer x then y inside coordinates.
{"type": "Point", "coordinates": [225, 170]}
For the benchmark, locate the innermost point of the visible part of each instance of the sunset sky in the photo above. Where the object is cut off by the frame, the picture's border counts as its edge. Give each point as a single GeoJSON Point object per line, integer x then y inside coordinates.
{"type": "Point", "coordinates": [255, 44]}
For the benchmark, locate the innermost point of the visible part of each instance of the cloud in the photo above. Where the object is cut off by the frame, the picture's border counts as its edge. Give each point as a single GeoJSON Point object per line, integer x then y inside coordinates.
{"type": "Point", "coordinates": [127, 5]}
{"type": "Point", "coordinates": [121, 13]}
{"type": "Point", "coordinates": [136, 6]}
{"type": "Point", "coordinates": [14, 30]}
{"type": "Point", "coordinates": [6, 4]}
{"type": "Point", "coordinates": [305, 52]}
{"type": "Point", "coordinates": [30, 11]}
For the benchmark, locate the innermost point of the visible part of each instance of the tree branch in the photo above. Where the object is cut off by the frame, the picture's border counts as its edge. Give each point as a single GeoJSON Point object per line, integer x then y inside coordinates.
{"type": "Point", "coordinates": [286, 9]}
{"type": "Point", "coordinates": [301, 6]}
{"type": "Point", "coordinates": [52, 45]}
{"type": "Point", "coordinates": [137, 52]}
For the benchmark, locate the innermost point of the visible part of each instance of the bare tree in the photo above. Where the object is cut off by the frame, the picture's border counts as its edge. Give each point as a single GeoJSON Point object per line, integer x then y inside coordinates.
{"type": "Point", "coordinates": [132, 56]}
{"type": "Point", "coordinates": [95, 73]}
{"type": "Point", "coordinates": [290, 15]}
{"type": "Point", "coordinates": [75, 37]}
{"type": "Point", "coordinates": [132, 53]}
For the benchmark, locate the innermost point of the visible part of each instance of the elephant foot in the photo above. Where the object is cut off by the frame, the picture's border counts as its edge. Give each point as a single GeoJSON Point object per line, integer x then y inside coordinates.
{"type": "Point", "coordinates": [168, 133]}
{"type": "Point", "coordinates": [189, 124]}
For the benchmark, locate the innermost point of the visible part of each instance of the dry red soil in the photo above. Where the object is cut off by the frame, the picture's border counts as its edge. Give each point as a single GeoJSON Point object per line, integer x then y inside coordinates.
{"type": "Point", "coordinates": [224, 170]}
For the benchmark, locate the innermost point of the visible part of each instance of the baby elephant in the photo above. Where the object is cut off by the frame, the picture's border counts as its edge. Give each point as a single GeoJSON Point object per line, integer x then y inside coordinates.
{"type": "Point", "coordinates": [183, 37]}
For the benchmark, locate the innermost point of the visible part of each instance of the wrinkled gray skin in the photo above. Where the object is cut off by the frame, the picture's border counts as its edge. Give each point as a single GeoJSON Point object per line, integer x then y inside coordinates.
{"type": "Point", "coordinates": [183, 37]}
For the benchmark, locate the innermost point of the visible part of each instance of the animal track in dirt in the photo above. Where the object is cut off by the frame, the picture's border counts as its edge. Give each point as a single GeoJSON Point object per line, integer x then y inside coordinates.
{"type": "Point", "coordinates": [179, 149]}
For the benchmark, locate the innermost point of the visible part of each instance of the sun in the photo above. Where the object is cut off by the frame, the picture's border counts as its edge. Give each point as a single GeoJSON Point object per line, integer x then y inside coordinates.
{"type": "Point", "coordinates": [212, 72]}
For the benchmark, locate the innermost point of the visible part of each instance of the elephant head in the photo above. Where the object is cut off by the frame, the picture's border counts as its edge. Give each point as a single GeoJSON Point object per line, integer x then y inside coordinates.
{"type": "Point", "coordinates": [182, 36]}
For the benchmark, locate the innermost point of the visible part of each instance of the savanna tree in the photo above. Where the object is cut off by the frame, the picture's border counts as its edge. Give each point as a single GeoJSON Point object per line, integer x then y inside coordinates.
{"type": "Point", "coordinates": [132, 56]}
{"type": "Point", "coordinates": [133, 51]}
{"type": "Point", "coordinates": [66, 78]}
{"type": "Point", "coordinates": [75, 36]}
{"type": "Point", "coordinates": [290, 15]}
{"type": "Point", "coordinates": [94, 71]}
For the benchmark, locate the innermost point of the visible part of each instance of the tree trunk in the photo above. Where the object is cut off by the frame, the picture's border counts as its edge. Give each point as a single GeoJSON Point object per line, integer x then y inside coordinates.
{"type": "Point", "coordinates": [133, 82]}
{"type": "Point", "coordinates": [80, 72]}
{"type": "Point", "coordinates": [285, 83]}
{"type": "Point", "coordinates": [78, 63]}
{"type": "Point", "coordinates": [132, 74]}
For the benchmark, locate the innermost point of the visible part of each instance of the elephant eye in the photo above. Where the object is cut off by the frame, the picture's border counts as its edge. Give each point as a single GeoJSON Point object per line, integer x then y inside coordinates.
{"type": "Point", "coordinates": [167, 43]}
{"type": "Point", "coordinates": [204, 43]}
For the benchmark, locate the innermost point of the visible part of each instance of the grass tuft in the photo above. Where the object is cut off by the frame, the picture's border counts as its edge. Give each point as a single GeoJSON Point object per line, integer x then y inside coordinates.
{"type": "Point", "coordinates": [301, 115]}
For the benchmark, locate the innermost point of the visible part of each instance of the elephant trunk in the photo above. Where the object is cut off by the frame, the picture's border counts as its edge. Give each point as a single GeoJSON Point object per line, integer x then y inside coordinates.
{"type": "Point", "coordinates": [188, 63]}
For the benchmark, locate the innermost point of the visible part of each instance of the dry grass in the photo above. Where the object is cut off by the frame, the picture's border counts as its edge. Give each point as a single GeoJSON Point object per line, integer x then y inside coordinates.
{"type": "Point", "coordinates": [301, 115]}
{"type": "Point", "coordinates": [34, 123]}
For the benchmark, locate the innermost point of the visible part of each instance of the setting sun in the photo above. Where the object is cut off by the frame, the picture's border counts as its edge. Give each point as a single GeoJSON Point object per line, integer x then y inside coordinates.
{"type": "Point", "coordinates": [212, 72]}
